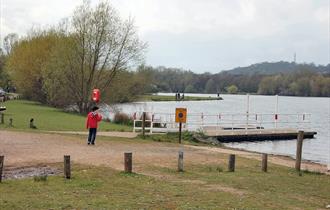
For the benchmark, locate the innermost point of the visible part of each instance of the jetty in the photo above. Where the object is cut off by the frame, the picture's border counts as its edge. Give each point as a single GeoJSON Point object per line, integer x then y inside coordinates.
{"type": "Point", "coordinates": [239, 135]}
{"type": "Point", "coordinates": [232, 127]}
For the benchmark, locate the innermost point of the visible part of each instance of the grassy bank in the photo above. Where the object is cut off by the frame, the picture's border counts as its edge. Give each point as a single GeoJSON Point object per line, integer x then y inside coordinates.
{"type": "Point", "coordinates": [48, 118]}
{"type": "Point", "coordinates": [172, 98]}
{"type": "Point", "coordinates": [206, 186]}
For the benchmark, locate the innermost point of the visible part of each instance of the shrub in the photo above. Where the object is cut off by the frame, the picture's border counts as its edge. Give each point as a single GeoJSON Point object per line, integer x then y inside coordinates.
{"type": "Point", "coordinates": [40, 178]}
{"type": "Point", "coordinates": [122, 118]}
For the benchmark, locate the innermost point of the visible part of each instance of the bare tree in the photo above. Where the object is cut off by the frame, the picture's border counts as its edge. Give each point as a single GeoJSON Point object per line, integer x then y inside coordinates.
{"type": "Point", "coordinates": [97, 46]}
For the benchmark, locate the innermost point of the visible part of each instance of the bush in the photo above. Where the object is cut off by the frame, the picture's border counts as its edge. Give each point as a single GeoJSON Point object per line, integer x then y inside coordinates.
{"type": "Point", "coordinates": [122, 118]}
{"type": "Point", "coordinates": [40, 178]}
{"type": "Point", "coordinates": [172, 137]}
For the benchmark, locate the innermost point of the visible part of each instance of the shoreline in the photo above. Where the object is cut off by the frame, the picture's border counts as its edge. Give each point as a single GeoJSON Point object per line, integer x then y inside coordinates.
{"type": "Point", "coordinates": [274, 154]}
{"type": "Point", "coordinates": [168, 98]}
{"type": "Point", "coordinates": [283, 160]}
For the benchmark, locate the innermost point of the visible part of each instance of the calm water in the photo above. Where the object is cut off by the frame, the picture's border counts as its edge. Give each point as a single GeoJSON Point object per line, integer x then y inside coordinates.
{"type": "Point", "coordinates": [317, 149]}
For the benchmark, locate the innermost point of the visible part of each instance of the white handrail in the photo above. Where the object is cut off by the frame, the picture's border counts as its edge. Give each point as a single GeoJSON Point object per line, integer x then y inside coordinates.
{"type": "Point", "coordinates": [228, 120]}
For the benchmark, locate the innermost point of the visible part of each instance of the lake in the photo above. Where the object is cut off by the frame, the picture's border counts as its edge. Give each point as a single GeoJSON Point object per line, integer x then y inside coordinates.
{"type": "Point", "coordinates": [316, 150]}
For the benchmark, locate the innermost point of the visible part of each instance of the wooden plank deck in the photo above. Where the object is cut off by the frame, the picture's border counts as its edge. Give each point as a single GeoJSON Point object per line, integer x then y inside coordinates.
{"type": "Point", "coordinates": [255, 134]}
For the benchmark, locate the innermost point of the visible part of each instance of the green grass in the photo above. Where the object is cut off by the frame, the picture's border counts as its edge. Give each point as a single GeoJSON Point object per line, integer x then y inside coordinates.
{"type": "Point", "coordinates": [172, 98]}
{"type": "Point", "coordinates": [199, 187]}
{"type": "Point", "coordinates": [249, 188]}
{"type": "Point", "coordinates": [48, 118]}
{"type": "Point", "coordinates": [90, 188]}
{"type": "Point", "coordinates": [186, 138]}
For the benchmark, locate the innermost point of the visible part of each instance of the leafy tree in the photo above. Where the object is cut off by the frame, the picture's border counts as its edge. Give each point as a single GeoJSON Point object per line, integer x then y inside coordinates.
{"type": "Point", "coordinates": [145, 75]}
{"type": "Point", "coordinates": [232, 89]}
{"type": "Point", "coordinates": [326, 87]}
{"type": "Point", "coordinates": [190, 89]}
{"type": "Point", "coordinates": [303, 87]}
{"type": "Point", "coordinates": [316, 86]}
{"type": "Point", "coordinates": [210, 86]}
{"type": "Point", "coordinates": [3, 73]}
{"type": "Point", "coordinates": [26, 61]}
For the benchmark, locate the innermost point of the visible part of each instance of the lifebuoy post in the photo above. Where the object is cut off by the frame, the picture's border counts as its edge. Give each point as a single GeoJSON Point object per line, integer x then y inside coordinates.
{"type": "Point", "coordinates": [180, 117]}
{"type": "Point", "coordinates": [96, 95]}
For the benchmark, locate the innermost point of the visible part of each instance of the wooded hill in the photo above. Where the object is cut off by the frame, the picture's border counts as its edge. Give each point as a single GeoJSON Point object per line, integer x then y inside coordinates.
{"type": "Point", "coordinates": [267, 68]}
{"type": "Point", "coordinates": [281, 78]}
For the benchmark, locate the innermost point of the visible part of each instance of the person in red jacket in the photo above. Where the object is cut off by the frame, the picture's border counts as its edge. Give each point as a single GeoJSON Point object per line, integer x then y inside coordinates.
{"type": "Point", "coordinates": [92, 120]}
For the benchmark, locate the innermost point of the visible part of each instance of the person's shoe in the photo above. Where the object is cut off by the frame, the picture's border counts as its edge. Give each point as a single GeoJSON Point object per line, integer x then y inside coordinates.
{"type": "Point", "coordinates": [93, 143]}
{"type": "Point", "coordinates": [88, 143]}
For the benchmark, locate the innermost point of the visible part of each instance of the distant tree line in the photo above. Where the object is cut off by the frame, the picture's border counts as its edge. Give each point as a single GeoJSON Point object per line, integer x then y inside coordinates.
{"type": "Point", "coordinates": [300, 83]}
{"type": "Point", "coordinates": [304, 81]}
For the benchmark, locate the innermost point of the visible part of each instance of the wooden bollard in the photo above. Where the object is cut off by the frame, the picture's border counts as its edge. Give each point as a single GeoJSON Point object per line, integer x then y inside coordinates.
{"type": "Point", "coordinates": [231, 163]}
{"type": "Point", "coordinates": [67, 167]}
{"type": "Point", "coordinates": [2, 118]}
{"type": "Point", "coordinates": [264, 162]}
{"type": "Point", "coordinates": [180, 161]}
{"type": "Point", "coordinates": [128, 162]}
{"type": "Point", "coordinates": [299, 149]}
{"type": "Point", "coordinates": [2, 159]}
{"type": "Point", "coordinates": [144, 124]}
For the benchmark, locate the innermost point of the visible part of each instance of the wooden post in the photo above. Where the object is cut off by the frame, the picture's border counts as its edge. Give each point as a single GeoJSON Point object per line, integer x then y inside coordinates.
{"type": "Point", "coordinates": [180, 161]}
{"type": "Point", "coordinates": [11, 122]}
{"type": "Point", "coordinates": [128, 162]}
{"type": "Point", "coordinates": [2, 158]}
{"type": "Point", "coordinates": [2, 118]}
{"type": "Point", "coordinates": [264, 162]}
{"type": "Point", "coordinates": [67, 167]}
{"type": "Point", "coordinates": [299, 149]}
{"type": "Point", "coordinates": [180, 132]}
{"type": "Point", "coordinates": [231, 163]}
{"type": "Point", "coordinates": [143, 124]}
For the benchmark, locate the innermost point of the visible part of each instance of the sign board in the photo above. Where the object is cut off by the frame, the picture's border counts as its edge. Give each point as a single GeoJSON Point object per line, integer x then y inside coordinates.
{"type": "Point", "coordinates": [181, 115]}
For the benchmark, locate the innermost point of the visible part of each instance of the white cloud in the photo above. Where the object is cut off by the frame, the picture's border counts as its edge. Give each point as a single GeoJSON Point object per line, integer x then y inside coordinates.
{"type": "Point", "coordinates": [203, 35]}
{"type": "Point", "coordinates": [18, 16]}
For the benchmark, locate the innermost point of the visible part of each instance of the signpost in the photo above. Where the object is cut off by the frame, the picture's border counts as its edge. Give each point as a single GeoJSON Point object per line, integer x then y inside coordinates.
{"type": "Point", "coordinates": [180, 117]}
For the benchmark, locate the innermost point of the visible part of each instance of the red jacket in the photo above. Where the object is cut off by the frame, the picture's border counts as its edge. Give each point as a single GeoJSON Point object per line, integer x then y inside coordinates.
{"type": "Point", "coordinates": [92, 119]}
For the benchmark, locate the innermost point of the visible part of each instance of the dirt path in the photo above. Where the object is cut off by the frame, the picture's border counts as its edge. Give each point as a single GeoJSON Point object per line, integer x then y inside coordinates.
{"type": "Point", "coordinates": [28, 149]}
{"type": "Point", "coordinates": [24, 149]}
{"type": "Point", "coordinates": [129, 135]}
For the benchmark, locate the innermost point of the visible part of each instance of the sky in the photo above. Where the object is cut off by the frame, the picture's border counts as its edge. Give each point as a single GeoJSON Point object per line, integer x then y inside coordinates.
{"type": "Point", "coordinates": [202, 35]}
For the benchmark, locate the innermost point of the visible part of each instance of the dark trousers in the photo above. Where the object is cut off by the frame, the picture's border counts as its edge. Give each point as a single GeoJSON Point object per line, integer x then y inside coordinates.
{"type": "Point", "coordinates": [92, 135]}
